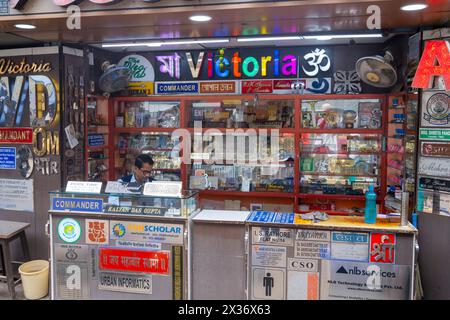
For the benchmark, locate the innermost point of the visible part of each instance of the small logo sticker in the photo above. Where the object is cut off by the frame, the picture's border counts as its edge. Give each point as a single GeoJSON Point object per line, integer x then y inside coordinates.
{"type": "Point", "coordinates": [119, 230]}
{"type": "Point", "coordinates": [69, 230]}
{"type": "Point", "coordinates": [97, 231]}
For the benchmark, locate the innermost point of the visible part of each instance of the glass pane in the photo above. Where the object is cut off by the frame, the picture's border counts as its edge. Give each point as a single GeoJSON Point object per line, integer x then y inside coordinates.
{"type": "Point", "coordinates": [342, 114]}
{"type": "Point", "coordinates": [237, 113]}
{"type": "Point", "coordinates": [148, 114]}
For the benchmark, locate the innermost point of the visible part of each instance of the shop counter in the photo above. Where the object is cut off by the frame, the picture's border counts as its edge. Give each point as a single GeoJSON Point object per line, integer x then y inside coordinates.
{"type": "Point", "coordinates": [340, 258]}
{"type": "Point", "coordinates": [218, 255]}
{"type": "Point", "coordinates": [106, 246]}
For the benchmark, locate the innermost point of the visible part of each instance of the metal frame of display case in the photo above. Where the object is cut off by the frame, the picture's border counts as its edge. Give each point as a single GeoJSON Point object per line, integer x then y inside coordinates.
{"type": "Point", "coordinates": [297, 130]}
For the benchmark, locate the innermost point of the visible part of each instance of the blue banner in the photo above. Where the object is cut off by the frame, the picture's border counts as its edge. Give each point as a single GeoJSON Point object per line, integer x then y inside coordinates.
{"type": "Point", "coordinates": [78, 205]}
{"type": "Point", "coordinates": [177, 88]}
{"type": "Point", "coordinates": [96, 140]}
{"type": "Point", "coordinates": [8, 158]}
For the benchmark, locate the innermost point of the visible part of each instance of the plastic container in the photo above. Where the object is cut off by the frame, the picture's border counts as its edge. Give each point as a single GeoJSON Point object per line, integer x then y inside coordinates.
{"type": "Point", "coordinates": [370, 213]}
{"type": "Point", "coordinates": [34, 276]}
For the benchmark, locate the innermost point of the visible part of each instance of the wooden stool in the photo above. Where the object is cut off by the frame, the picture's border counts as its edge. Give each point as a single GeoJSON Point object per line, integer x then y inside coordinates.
{"type": "Point", "coordinates": [9, 231]}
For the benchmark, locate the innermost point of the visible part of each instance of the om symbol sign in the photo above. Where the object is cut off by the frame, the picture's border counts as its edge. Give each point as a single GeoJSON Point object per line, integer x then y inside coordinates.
{"type": "Point", "coordinates": [318, 60]}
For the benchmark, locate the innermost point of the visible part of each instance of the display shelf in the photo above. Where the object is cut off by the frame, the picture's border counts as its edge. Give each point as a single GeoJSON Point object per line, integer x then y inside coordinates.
{"type": "Point", "coordinates": [330, 196]}
{"type": "Point", "coordinates": [339, 131]}
{"type": "Point", "coordinates": [305, 173]}
{"type": "Point", "coordinates": [247, 194]}
{"type": "Point", "coordinates": [141, 130]}
{"type": "Point", "coordinates": [332, 212]}
{"type": "Point", "coordinates": [341, 153]}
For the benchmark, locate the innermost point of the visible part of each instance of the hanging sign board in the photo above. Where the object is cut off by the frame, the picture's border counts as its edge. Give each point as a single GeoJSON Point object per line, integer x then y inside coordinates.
{"type": "Point", "coordinates": [16, 135]}
{"type": "Point", "coordinates": [84, 187]}
{"type": "Point", "coordinates": [434, 134]}
{"type": "Point", "coordinates": [438, 167]}
{"type": "Point", "coordinates": [8, 158]}
{"type": "Point", "coordinates": [431, 149]}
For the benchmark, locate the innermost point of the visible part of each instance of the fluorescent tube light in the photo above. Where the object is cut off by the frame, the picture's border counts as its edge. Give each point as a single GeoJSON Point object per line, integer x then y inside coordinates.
{"type": "Point", "coordinates": [343, 36]}
{"type": "Point", "coordinates": [414, 7]}
{"type": "Point", "coordinates": [254, 39]}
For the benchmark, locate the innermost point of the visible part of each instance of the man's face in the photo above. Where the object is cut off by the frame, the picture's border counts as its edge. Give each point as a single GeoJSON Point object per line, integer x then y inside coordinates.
{"type": "Point", "coordinates": [144, 172]}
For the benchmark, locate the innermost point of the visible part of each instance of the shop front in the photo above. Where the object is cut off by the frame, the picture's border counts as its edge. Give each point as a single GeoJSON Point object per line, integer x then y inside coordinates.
{"type": "Point", "coordinates": [264, 158]}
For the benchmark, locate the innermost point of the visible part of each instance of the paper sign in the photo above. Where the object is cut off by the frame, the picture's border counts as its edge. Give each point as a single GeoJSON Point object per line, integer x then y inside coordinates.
{"type": "Point", "coordinates": [8, 158]}
{"type": "Point", "coordinates": [84, 187]}
{"type": "Point", "coordinates": [164, 189]}
{"type": "Point", "coordinates": [132, 283]}
{"type": "Point", "coordinates": [269, 256]}
{"type": "Point", "coordinates": [139, 245]}
{"type": "Point", "coordinates": [275, 236]}
{"type": "Point", "coordinates": [350, 246]}
{"type": "Point", "coordinates": [268, 284]}
{"type": "Point", "coordinates": [16, 195]}
{"type": "Point", "coordinates": [303, 285]}
{"type": "Point", "coordinates": [71, 136]}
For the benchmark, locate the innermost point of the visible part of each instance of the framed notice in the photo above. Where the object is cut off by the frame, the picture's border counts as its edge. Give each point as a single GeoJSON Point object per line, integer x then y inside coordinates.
{"type": "Point", "coordinates": [439, 167]}
{"type": "Point", "coordinates": [16, 195]}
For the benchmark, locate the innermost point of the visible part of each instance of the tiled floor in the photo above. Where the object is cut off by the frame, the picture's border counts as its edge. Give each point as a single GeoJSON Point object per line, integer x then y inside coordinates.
{"type": "Point", "coordinates": [4, 293]}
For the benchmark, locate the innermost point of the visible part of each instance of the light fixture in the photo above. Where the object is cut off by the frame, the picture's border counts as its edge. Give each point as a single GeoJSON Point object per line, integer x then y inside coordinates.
{"type": "Point", "coordinates": [24, 26]}
{"type": "Point", "coordinates": [281, 38]}
{"type": "Point", "coordinates": [164, 43]}
{"type": "Point", "coordinates": [200, 18]}
{"type": "Point", "coordinates": [414, 7]}
{"type": "Point", "coordinates": [343, 36]}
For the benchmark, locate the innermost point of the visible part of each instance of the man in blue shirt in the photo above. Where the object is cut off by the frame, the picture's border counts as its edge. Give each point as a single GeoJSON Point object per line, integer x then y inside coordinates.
{"type": "Point", "coordinates": [142, 171]}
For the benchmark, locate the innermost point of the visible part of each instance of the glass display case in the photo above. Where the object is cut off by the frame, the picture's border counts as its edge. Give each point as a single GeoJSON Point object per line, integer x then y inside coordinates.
{"type": "Point", "coordinates": [127, 204]}
{"type": "Point", "coordinates": [148, 114]}
{"type": "Point", "coordinates": [244, 162]}
{"type": "Point", "coordinates": [246, 112]}
{"type": "Point", "coordinates": [342, 114]}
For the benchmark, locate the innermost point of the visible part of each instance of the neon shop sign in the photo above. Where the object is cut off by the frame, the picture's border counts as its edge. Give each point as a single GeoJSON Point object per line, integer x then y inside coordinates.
{"type": "Point", "coordinates": [435, 62]}
{"type": "Point", "coordinates": [238, 66]}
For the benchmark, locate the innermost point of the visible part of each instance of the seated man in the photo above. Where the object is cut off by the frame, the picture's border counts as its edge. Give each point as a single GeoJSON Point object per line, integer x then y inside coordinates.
{"type": "Point", "coordinates": [142, 171]}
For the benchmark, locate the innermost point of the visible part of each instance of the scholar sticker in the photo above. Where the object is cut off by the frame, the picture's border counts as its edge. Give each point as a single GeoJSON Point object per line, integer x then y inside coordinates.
{"type": "Point", "coordinates": [69, 230]}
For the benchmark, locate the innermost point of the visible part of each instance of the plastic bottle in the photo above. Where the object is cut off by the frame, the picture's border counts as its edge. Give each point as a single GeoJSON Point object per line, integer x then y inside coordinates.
{"type": "Point", "coordinates": [370, 213]}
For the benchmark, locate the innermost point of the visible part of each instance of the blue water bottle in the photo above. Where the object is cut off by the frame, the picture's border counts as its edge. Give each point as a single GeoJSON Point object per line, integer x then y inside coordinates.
{"type": "Point", "coordinates": [370, 213]}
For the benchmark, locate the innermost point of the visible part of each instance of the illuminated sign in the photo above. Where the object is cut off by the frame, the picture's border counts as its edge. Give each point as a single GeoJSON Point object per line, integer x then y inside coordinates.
{"type": "Point", "coordinates": [435, 62]}
{"type": "Point", "coordinates": [16, 135]}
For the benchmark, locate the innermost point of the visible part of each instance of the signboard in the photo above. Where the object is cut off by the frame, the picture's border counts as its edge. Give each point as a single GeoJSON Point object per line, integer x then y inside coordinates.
{"type": "Point", "coordinates": [84, 187]}
{"type": "Point", "coordinates": [116, 187]}
{"type": "Point", "coordinates": [139, 245]}
{"type": "Point", "coordinates": [8, 158]}
{"type": "Point", "coordinates": [77, 205]}
{"type": "Point", "coordinates": [382, 247]}
{"type": "Point", "coordinates": [16, 195]}
{"type": "Point", "coordinates": [342, 280]}
{"type": "Point", "coordinates": [165, 189]}
{"type": "Point", "coordinates": [154, 262]}
{"type": "Point", "coordinates": [312, 244]}
{"type": "Point", "coordinates": [434, 184]}
{"type": "Point", "coordinates": [350, 246]}
{"type": "Point", "coordinates": [177, 87]}
{"type": "Point", "coordinates": [275, 236]}
{"type": "Point", "coordinates": [256, 86]}
{"type": "Point", "coordinates": [431, 149]}
{"type": "Point", "coordinates": [147, 232]}
{"type": "Point", "coordinates": [302, 285]}
{"type": "Point", "coordinates": [16, 135]}
{"type": "Point", "coordinates": [219, 87]}
{"type": "Point", "coordinates": [132, 283]}
{"type": "Point", "coordinates": [269, 256]}
{"type": "Point", "coordinates": [268, 284]}
{"type": "Point", "coordinates": [96, 140]}
{"type": "Point", "coordinates": [142, 74]}
{"type": "Point", "coordinates": [434, 134]}
{"type": "Point", "coordinates": [97, 231]}
{"type": "Point", "coordinates": [146, 211]}
{"type": "Point", "coordinates": [177, 273]}
{"type": "Point", "coordinates": [439, 167]}
{"type": "Point", "coordinates": [435, 109]}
